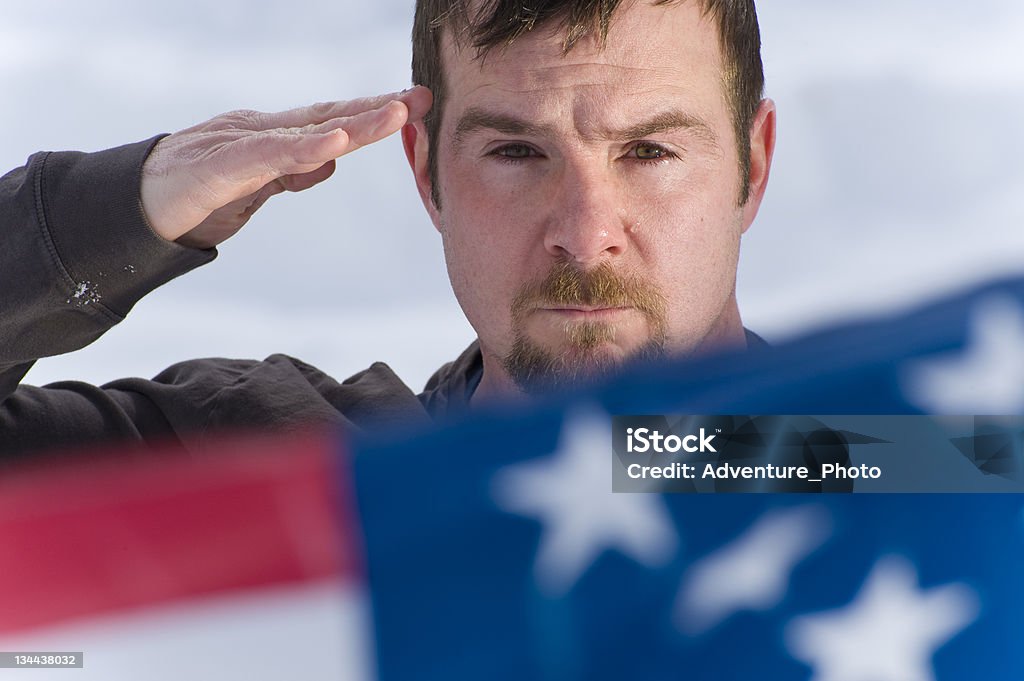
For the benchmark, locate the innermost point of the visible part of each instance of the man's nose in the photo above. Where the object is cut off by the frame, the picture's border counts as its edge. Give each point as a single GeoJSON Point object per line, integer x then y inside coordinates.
{"type": "Point", "coordinates": [587, 222]}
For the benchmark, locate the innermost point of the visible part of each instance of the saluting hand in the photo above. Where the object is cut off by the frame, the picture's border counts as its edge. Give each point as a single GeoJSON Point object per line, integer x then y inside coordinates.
{"type": "Point", "coordinates": [200, 185]}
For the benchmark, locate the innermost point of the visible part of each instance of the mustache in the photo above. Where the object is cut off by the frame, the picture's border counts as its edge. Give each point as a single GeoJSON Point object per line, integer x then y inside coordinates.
{"type": "Point", "coordinates": [600, 286]}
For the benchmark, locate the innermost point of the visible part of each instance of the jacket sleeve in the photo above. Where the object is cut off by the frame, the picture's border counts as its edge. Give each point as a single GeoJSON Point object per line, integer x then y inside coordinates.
{"type": "Point", "coordinates": [76, 254]}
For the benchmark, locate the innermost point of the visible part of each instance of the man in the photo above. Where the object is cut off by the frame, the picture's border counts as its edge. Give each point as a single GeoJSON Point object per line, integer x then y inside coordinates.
{"type": "Point", "coordinates": [591, 168]}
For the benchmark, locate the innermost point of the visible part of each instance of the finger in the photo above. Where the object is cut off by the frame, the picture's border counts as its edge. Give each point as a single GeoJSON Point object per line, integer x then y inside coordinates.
{"type": "Point", "coordinates": [325, 111]}
{"type": "Point", "coordinates": [357, 122]}
{"type": "Point", "coordinates": [243, 121]}
{"type": "Point", "coordinates": [418, 100]}
{"type": "Point", "coordinates": [274, 153]}
{"type": "Point", "coordinates": [370, 126]}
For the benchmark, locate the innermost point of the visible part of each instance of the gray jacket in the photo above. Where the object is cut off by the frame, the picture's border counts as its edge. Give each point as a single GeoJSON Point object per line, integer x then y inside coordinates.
{"type": "Point", "coordinates": [76, 254]}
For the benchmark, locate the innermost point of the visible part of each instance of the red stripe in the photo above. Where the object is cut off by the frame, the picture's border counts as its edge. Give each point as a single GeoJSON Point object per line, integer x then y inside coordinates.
{"type": "Point", "coordinates": [125, 532]}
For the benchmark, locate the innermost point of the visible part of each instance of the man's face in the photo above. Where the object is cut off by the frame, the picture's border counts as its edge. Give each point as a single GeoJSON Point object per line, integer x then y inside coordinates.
{"type": "Point", "coordinates": [589, 205]}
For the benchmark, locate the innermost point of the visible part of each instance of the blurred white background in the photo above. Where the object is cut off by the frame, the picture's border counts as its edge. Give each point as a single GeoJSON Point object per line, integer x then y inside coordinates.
{"type": "Point", "coordinates": [897, 175]}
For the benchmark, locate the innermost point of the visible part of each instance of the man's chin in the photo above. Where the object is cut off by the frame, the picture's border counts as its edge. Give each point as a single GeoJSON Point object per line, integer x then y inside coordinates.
{"type": "Point", "coordinates": [536, 368]}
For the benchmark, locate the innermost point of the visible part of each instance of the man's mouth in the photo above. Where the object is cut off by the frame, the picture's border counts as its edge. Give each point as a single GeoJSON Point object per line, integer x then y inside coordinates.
{"type": "Point", "coordinates": [585, 312]}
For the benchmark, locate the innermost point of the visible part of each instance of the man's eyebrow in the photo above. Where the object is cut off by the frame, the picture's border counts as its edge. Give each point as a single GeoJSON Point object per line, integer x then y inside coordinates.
{"type": "Point", "coordinates": [480, 119]}
{"type": "Point", "coordinates": [665, 122]}
{"type": "Point", "coordinates": [476, 119]}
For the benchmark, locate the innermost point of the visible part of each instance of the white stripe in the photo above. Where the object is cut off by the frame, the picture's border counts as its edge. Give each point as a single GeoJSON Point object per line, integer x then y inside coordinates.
{"type": "Point", "coordinates": [300, 632]}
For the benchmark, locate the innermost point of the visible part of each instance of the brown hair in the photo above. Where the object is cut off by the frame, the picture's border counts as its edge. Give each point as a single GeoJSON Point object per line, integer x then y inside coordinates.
{"type": "Point", "coordinates": [500, 22]}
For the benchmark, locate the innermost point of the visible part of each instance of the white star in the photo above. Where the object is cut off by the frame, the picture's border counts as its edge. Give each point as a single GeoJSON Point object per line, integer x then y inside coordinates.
{"type": "Point", "coordinates": [571, 495]}
{"type": "Point", "coordinates": [888, 633]}
{"type": "Point", "coordinates": [753, 571]}
{"type": "Point", "coordinates": [988, 378]}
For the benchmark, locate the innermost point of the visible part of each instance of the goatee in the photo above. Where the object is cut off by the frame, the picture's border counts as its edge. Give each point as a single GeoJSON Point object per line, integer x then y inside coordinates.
{"type": "Point", "coordinates": [583, 354]}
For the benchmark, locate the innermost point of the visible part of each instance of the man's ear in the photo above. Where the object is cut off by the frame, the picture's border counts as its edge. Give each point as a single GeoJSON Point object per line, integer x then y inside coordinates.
{"type": "Point", "coordinates": [417, 151]}
{"type": "Point", "coordinates": [762, 149]}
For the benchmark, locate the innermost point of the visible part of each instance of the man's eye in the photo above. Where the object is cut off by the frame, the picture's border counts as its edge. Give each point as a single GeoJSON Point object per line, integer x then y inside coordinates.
{"type": "Point", "coordinates": [651, 152]}
{"type": "Point", "coordinates": [514, 151]}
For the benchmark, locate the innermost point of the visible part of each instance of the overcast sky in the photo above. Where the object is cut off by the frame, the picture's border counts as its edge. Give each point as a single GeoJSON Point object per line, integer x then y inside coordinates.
{"type": "Point", "coordinates": [897, 174]}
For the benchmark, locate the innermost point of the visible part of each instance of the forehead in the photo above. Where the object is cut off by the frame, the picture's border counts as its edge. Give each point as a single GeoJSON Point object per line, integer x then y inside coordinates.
{"type": "Point", "coordinates": [651, 53]}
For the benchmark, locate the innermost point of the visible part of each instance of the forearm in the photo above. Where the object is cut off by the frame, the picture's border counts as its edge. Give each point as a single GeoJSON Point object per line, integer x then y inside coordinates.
{"type": "Point", "coordinates": [76, 251]}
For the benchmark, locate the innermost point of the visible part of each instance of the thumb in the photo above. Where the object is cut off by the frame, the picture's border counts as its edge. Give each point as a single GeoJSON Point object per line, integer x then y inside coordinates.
{"type": "Point", "coordinates": [300, 181]}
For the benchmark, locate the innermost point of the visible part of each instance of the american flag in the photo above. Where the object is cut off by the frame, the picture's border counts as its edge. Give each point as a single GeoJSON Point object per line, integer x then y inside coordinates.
{"type": "Point", "coordinates": [495, 549]}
